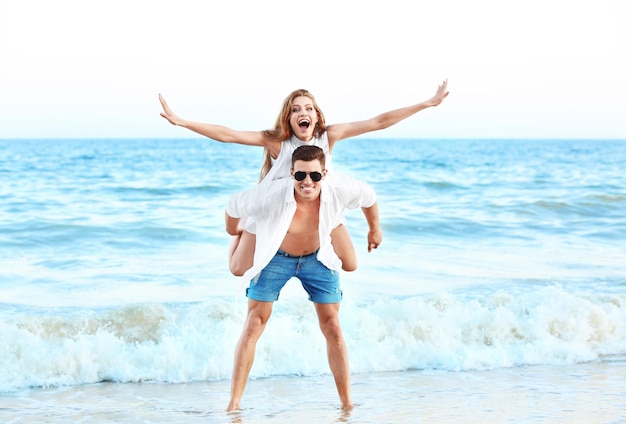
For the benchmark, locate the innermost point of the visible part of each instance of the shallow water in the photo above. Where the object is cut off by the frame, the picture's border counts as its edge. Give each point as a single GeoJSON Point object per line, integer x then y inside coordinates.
{"type": "Point", "coordinates": [589, 392]}
{"type": "Point", "coordinates": [502, 267]}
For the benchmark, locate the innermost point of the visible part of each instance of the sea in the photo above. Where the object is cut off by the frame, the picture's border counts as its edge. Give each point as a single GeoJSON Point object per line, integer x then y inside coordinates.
{"type": "Point", "coordinates": [498, 294]}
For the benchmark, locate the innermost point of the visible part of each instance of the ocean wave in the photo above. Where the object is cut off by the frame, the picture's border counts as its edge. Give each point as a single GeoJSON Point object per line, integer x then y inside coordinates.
{"type": "Point", "coordinates": [139, 193]}
{"type": "Point", "coordinates": [187, 342]}
{"type": "Point", "coordinates": [36, 233]}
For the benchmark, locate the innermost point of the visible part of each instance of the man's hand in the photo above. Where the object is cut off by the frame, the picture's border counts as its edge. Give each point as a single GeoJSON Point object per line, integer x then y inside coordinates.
{"type": "Point", "coordinates": [374, 238]}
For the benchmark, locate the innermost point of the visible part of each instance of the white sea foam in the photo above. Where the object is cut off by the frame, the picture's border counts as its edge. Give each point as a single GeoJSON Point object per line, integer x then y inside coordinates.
{"type": "Point", "coordinates": [195, 341]}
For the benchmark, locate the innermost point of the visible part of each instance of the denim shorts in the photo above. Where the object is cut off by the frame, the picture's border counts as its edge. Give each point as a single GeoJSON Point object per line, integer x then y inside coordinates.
{"type": "Point", "coordinates": [321, 283]}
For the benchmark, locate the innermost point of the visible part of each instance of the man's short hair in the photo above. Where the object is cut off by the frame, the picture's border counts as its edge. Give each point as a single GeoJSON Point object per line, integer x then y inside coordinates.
{"type": "Point", "coordinates": [308, 154]}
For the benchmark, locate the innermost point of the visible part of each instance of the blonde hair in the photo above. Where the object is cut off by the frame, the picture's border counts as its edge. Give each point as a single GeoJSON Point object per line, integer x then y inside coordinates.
{"type": "Point", "coordinates": [282, 129]}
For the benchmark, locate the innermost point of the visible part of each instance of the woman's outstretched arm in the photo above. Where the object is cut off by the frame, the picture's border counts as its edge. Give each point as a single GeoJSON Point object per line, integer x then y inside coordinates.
{"type": "Point", "coordinates": [338, 132]}
{"type": "Point", "coordinates": [215, 132]}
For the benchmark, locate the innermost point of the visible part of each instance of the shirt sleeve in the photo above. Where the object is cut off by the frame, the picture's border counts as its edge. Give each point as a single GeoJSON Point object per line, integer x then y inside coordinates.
{"type": "Point", "coordinates": [257, 201]}
{"type": "Point", "coordinates": [236, 205]}
{"type": "Point", "coordinates": [354, 193]}
{"type": "Point", "coordinates": [367, 197]}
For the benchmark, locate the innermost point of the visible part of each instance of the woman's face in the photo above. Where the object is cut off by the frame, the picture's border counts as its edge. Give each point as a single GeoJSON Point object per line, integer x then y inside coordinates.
{"type": "Point", "coordinates": [303, 118]}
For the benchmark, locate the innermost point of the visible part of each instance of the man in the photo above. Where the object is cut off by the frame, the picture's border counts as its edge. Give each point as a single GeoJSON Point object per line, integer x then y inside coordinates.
{"type": "Point", "coordinates": [294, 220]}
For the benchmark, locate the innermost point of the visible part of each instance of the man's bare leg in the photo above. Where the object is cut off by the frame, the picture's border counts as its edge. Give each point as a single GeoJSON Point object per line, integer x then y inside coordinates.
{"type": "Point", "coordinates": [258, 315]}
{"type": "Point", "coordinates": [328, 316]}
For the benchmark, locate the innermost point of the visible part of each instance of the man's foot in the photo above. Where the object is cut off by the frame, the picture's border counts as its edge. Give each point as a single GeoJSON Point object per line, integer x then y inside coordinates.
{"type": "Point", "coordinates": [233, 407]}
{"type": "Point", "coordinates": [347, 407]}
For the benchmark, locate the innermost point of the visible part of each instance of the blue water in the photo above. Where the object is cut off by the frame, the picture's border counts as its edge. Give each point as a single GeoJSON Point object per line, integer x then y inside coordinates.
{"type": "Point", "coordinates": [496, 253]}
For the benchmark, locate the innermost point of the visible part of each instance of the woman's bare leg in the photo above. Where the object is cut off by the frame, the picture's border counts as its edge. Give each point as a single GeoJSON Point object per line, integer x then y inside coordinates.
{"type": "Point", "coordinates": [241, 253]}
{"type": "Point", "coordinates": [344, 248]}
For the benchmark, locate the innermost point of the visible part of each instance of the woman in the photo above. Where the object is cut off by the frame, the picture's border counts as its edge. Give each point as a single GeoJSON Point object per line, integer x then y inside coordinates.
{"type": "Point", "coordinates": [300, 121]}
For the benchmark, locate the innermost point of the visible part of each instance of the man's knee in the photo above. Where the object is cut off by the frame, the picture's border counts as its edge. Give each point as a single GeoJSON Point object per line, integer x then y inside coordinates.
{"type": "Point", "coordinates": [331, 328]}
{"type": "Point", "coordinates": [258, 315]}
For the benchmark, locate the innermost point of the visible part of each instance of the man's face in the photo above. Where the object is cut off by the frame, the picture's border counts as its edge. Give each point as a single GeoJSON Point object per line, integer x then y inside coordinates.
{"type": "Point", "coordinates": [307, 188]}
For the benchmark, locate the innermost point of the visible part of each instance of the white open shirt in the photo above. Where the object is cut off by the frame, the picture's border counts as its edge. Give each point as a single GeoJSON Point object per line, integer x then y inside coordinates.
{"type": "Point", "coordinates": [274, 205]}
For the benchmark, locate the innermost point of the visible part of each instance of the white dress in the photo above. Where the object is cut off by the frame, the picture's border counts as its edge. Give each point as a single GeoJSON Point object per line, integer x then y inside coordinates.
{"type": "Point", "coordinates": [281, 166]}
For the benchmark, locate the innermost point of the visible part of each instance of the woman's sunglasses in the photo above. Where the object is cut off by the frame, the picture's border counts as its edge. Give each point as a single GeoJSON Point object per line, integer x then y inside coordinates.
{"type": "Point", "coordinates": [301, 175]}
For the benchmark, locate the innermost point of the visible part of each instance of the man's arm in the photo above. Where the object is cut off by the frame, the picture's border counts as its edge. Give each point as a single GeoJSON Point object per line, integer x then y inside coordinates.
{"type": "Point", "coordinates": [239, 206]}
{"type": "Point", "coordinates": [258, 201]}
{"type": "Point", "coordinates": [361, 194]}
{"type": "Point", "coordinates": [232, 225]}
{"type": "Point", "coordinates": [375, 234]}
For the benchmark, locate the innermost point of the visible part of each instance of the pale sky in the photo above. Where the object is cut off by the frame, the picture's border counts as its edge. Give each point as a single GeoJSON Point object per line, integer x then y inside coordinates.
{"type": "Point", "coordinates": [516, 69]}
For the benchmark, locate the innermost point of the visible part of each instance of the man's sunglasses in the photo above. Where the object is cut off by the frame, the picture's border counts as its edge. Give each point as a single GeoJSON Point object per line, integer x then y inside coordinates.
{"type": "Point", "coordinates": [301, 175]}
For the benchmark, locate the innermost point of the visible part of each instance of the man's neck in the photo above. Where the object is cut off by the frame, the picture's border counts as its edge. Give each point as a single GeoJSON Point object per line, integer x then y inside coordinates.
{"type": "Point", "coordinates": [303, 203]}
